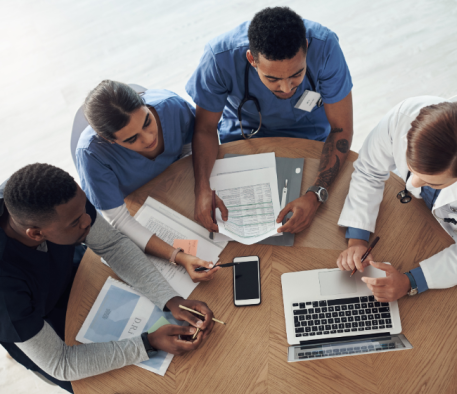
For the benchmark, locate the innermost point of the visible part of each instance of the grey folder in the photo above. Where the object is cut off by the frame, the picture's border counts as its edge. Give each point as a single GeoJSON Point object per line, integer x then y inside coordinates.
{"type": "Point", "coordinates": [292, 170]}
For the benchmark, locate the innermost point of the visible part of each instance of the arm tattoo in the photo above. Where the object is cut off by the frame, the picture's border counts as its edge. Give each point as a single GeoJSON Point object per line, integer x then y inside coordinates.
{"type": "Point", "coordinates": [328, 148]}
{"type": "Point", "coordinates": [326, 178]}
{"type": "Point", "coordinates": [342, 145]}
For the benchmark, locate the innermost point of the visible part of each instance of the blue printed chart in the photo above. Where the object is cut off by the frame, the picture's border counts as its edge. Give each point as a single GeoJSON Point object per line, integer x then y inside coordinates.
{"type": "Point", "coordinates": [120, 312]}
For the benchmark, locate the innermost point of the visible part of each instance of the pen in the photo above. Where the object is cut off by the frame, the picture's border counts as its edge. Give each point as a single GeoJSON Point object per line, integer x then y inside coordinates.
{"type": "Point", "coordinates": [200, 269]}
{"type": "Point", "coordinates": [284, 196]}
{"type": "Point", "coordinates": [201, 314]}
{"type": "Point", "coordinates": [213, 214]}
{"type": "Point", "coordinates": [365, 255]}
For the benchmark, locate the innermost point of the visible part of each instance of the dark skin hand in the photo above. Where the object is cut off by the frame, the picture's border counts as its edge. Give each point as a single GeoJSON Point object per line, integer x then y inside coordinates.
{"type": "Point", "coordinates": [167, 337]}
{"type": "Point", "coordinates": [334, 153]}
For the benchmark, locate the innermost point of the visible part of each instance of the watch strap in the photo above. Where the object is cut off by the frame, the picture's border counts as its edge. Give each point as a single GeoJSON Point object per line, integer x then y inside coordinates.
{"type": "Point", "coordinates": [173, 255]}
{"type": "Point", "coordinates": [150, 350]}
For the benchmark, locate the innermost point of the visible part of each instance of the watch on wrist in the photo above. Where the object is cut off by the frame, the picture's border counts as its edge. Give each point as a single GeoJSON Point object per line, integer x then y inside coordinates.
{"type": "Point", "coordinates": [321, 193]}
{"type": "Point", "coordinates": [150, 350]}
{"type": "Point", "coordinates": [173, 255]}
{"type": "Point", "coordinates": [412, 281]}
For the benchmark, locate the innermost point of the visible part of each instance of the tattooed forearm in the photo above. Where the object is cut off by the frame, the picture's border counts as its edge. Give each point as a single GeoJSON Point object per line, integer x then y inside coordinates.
{"type": "Point", "coordinates": [327, 177]}
{"type": "Point", "coordinates": [342, 145]}
{"type": "Point", "coordinates": [329, 146]}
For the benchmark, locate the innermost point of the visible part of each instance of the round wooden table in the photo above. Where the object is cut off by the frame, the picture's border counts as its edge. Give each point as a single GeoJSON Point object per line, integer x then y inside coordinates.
{"type": "Point", "coordinates": [249, 355]}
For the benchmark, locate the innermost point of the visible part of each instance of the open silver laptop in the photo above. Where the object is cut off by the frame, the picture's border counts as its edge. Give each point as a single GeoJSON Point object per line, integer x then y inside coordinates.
{"type": "Point", "coordinates": [330, 314]}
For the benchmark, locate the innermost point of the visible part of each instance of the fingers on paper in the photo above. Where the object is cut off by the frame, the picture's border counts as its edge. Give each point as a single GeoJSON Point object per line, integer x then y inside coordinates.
{"type": "Point", "coordinates": [283, 213]}
{"type": "Point", "coordinates": [224, 211]}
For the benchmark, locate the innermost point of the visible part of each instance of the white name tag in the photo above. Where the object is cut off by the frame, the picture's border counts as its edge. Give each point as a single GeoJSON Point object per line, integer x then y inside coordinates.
{"type": "Point", "coordinates": [308, 100]}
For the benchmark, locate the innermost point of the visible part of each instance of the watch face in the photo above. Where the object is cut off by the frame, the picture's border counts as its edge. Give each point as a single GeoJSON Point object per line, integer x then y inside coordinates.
{"type": "Point", "coordinates": [323, 194]}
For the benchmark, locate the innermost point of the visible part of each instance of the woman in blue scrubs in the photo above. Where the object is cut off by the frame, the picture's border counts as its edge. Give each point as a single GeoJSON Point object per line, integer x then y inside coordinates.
{"type": "Point", "coordinates": [131, 139]}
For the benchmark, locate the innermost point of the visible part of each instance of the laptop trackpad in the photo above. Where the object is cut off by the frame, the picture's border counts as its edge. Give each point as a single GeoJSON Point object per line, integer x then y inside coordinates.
{"type": "Point", "coordinates": [336, 282]}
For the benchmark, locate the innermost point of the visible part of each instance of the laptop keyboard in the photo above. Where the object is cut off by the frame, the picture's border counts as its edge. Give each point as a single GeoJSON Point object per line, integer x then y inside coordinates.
{"type": "Point", "coordinates": [343, 315]}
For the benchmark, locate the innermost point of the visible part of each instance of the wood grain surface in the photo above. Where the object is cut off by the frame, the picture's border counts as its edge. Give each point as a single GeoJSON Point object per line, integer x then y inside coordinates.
{"type": "Point", "coordinates": [249, 354]}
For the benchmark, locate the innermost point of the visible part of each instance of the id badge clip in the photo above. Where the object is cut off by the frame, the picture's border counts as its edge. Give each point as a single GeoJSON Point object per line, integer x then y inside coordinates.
{"type": "Point", "coordinates": [309, 100]}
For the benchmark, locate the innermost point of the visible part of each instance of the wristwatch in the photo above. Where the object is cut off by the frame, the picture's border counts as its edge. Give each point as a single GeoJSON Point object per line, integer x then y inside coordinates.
{"type": "Point", "coordinates": [321, 193]}
{"type": "Point", "coordinates": [413, 290]}
{"type": "Point", "coordinates": [150, 350]}
{"type": "Point", "coordinates": [173, 255]}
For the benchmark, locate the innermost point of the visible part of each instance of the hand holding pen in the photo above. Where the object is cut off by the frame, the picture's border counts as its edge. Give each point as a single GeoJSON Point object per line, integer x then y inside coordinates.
{"type": "Point", "coordinates": [352, 257]}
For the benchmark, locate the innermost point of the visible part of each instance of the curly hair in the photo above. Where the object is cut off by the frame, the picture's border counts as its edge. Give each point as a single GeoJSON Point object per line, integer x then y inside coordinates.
{"type": "Point", "coordinates": [33, 192]}
{"type": "Point", "coordinates": [277, 33]}
{"type": "Point", "coordinates": [108, 107]}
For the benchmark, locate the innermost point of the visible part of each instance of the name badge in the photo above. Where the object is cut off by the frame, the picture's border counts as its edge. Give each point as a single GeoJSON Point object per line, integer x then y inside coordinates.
{"type": "Point", "coordinates": [308, 100]}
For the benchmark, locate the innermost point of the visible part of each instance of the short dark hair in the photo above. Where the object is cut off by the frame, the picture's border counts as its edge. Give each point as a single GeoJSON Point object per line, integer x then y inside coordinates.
{"type": "Point", "coordinates": [33, 192]}
{"type": "Point", "coordinates": [432, 140]}
{"type": "Point", "coordinates": [108, 107]}
{"type": "Point", "coordinates": [277, 33]}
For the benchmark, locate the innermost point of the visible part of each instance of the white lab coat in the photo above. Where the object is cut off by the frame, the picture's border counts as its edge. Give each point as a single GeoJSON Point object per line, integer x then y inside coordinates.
{"type": "Point", "coordinates": [382, 152]}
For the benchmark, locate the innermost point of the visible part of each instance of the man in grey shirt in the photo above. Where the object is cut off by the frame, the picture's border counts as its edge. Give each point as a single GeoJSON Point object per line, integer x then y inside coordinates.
{"type": "Point", "coordinates": [43, 215]}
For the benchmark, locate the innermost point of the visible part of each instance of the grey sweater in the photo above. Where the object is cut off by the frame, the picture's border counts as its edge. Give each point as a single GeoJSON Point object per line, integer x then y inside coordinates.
{"type": "Point", "coordinates": [64, 362]}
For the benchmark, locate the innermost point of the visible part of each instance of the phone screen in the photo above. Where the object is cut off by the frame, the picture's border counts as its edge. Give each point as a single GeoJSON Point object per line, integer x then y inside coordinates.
{"type": "Point", "coordinates": [247, 280]}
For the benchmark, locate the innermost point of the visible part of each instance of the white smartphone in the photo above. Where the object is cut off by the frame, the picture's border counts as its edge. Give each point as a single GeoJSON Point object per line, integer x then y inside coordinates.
{"type": "Point", "coordinates": [246, 281]}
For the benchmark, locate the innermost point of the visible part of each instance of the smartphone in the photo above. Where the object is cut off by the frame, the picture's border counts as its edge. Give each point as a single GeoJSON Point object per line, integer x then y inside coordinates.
{"type": "Point", "coordinates": [246, 281]}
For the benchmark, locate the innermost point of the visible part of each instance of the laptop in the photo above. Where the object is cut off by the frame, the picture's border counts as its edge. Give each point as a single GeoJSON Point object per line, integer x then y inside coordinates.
{"type": "Point", "coordinates": [331, 314]}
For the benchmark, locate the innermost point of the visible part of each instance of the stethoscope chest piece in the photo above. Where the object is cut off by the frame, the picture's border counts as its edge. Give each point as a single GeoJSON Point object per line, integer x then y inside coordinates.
{"type": "Point", "coordinates": [404, 196]}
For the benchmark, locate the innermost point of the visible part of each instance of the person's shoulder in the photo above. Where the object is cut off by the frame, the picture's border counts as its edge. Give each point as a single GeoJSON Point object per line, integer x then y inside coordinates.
{"type": "Point", "coordinates": [154, 97]}
{"type": "Point", "coordinates": [87, 138]}
{"type": "Point", "coordinates": [315, 31]}
{"type": "Point", "coordinates": [234, 39]}
{"type": "Point", "coordinates": [411, 106]}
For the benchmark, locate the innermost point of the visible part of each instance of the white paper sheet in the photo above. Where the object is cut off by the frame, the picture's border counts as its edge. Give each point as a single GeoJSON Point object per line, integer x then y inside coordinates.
{"type": "Point", "coordinates": [120, 312]}
{"type": "Point", "coordinates": [251, 198]}
{"type": "Point", "coordinates": [244, 163]}
{"type": "Point", "coordinates": [169, 225]}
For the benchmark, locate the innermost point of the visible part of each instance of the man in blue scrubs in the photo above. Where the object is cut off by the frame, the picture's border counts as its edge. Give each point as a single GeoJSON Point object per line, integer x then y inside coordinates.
{"type": "Point", "coordinates": [297, 72]}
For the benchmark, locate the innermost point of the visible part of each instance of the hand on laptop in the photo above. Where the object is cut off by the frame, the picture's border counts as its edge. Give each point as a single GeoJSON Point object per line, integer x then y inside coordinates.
{"type": "Point", "coordinates": [394, 286]}
{"type": "Point", "coordinates": [352, 256]}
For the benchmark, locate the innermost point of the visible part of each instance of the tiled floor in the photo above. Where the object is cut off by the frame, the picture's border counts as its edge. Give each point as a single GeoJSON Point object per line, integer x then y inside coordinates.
{"type": "Point", "coordinates": [52, 52]}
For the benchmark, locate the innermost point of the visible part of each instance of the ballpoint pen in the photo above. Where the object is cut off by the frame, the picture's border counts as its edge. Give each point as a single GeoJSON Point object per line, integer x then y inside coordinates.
{"type": "Point", "coordinates": [284, 196]}
{"type": "Point", "coordinates": [213, 213]}
{"type": "Point", "coordinates": [200, 269]}
{"type": "Point", "coordinates": [201, 314]}
{"type": "Point", "coordinates": [365, 255]}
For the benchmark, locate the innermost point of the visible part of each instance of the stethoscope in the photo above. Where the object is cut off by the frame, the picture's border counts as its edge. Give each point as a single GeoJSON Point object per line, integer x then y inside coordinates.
{"type": "Point", "coordinates": [405, 198]}
{"type": "Point", "coordinates": [248, 97]}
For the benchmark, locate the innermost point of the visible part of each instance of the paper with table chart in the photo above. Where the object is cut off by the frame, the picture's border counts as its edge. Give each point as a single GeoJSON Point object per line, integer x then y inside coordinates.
{"type": "Point", "coordinates": [169, 226]}
{"type": "Point", "coordinates": [120, 312]}
{"type": "Point", "coordinates": [248, 186]}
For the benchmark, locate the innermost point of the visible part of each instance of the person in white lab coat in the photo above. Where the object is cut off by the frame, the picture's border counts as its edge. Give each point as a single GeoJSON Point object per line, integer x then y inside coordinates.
{"type": "Point", "coordinates": [419, 138]}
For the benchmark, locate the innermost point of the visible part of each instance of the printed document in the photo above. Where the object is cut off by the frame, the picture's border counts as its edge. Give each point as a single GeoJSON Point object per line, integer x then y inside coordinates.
{"type": "Point", "coordinates": [169, 226]}
{"type": "Point", "coordinates": [120, 312]}
{"type": "Point", "coordinates": [252, 200]}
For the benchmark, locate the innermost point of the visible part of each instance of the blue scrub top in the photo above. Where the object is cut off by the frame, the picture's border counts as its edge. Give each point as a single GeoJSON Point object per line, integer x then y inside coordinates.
{"type": "Point", "coordinates": [110, 172]}
{"type": "Point", "coordinates": [34, 286]}
{"type": "Point", "coordinates": [218, 85]}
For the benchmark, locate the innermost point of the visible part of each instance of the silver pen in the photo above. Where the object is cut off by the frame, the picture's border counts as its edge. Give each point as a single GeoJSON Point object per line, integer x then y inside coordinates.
{"type": "Point", "coordinates": [284, 196]}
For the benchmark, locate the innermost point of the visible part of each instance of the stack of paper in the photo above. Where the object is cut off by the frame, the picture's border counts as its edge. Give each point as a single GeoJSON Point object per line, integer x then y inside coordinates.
{"type": "Point", "coordinates": [248, 186]}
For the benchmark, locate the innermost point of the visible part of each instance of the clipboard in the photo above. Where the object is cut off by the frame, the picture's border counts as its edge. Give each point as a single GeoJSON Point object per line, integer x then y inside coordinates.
{"type": "Point", "coordinates": [292, 170]}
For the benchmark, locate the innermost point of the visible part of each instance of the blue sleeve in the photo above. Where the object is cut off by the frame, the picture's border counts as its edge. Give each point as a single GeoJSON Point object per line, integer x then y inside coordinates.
{"type": "Point", "coordinates": [98, 181]}
{"type": "Point", "coordinates": [420, 279]}
{"type": "Point", "coordinates": [334, 78]}
{"type": "Point", "coordinates": [207, 86]}
{"type": "Point", "coordinates": [357, 233]}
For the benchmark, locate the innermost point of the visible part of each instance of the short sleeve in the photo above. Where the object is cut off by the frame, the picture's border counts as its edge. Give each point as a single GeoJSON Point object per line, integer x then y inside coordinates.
{"type": "Point", "coordinates": [207, 86]}
{"type": "Point", "coordinates": [98, 181]}
{"type": "Point", "coordinates": [335, 80]}
{"type": "Point", "coordinates": [19, 319]}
